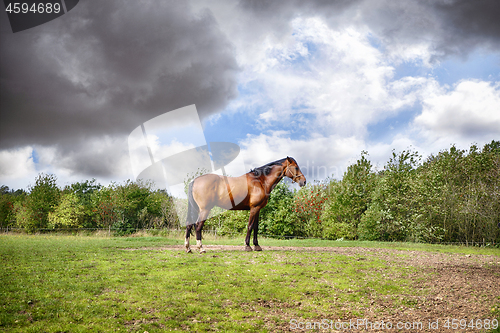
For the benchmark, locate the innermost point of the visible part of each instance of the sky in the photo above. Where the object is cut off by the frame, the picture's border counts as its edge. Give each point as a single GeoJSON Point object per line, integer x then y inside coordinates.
{"type": "Point", "coordinates": [317, 80]}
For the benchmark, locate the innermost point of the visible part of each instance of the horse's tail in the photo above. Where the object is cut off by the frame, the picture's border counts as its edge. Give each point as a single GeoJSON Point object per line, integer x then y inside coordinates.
{"type": "Point", "coordinates": [193, 209]}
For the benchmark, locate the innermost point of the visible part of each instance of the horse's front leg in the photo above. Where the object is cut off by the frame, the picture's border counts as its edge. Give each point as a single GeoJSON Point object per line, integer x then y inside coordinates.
{"type": "Point", "coordinates": [252, 222]}
{"type": "Point", "coordinates": [199, 227]}
{"type": "Point", "coordinates": [255, 233]}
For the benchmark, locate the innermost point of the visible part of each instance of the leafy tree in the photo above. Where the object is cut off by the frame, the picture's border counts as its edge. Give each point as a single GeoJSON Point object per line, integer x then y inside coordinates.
{"type": "Point", "coordinates": [104, 206]}
{"type": "Point", "coordinates": [492, 148]}
{"type": "Point", "coordinates": [84, 191]}
{"type": "Point", "coordinates": [161, 211]}
{"type": "Point", "coordinates": [8, 198]}
{"type": "Point", "coordinates": [390, 213]}
{"type": "Point", "coordinates": [336, 214]}
{"type": "Point", "coordinates": [68, 214]}
{"type": "Point", "coordinates": [358, 183]}
{"type": "Point", "coordinates": [133, 199]}
{"type": "Point", "coordinates": [4, 189]}
{"type": "Point", "coordinates": [428, 197]}
{"type": "Point", "coordinates": [277, 217]}
{"type": "Point", "coordinates": [348, 199]}
{"type": "Point", "coordinates": [308, 206]}
{"type": "Point", "coordinates": [234, 221]}
{"type": "Point", "coordinates": [33, 213]}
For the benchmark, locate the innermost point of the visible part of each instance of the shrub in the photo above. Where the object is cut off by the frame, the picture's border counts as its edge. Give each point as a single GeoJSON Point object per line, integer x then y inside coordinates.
{"type": "Point", "coordinates": [336, 215]}
{"type": "Point", "coordinates": [7, 201]}
{"type": "Point", "coordinates": [234, 221]}
{"type": "Point", "coordinates": [308, 206]}
{"type": "Point", "coordinates": [68, 214]}
{"type": "Point", "coordinates": [33, 213]}
{"type": "Point", "coordinates": [84, 191]}
{"type": "Point", "coordinates": [277, 218]}
{"type": "Point", "coordinates": [369, 225]}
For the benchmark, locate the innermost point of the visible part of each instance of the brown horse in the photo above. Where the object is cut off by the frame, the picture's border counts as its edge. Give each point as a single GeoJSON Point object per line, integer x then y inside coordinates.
{"type": "Point", "coordinates": [250, 191]}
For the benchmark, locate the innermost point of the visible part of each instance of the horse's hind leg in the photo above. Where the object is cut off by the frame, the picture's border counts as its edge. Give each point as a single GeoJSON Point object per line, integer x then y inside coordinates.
{"type": "Point", "coordinates": [188, 234]}
{"type": "Point", "coordinates": [199, 227]}
{"type": "Point", "coordinates": [252, 223]}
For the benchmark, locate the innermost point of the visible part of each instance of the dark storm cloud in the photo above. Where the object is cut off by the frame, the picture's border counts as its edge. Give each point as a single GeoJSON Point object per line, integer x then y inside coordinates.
{"type": "Point", "coordinates": [450, 26]}
{"type": "Point", "coordinates": [96, 157]}
{"type": "Point", "coordinates": [82, 82]}
{"type": "Point", "coordinates": [470, 23]}
{"type": "Point", "coordinates": [287, 9]}
{"type": "Point", "coordinates": [104, 68]}
{"type": "Point", "coordinates": [279, 14]}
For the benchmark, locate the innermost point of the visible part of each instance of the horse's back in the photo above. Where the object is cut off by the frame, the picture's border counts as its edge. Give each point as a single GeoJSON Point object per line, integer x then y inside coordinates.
{"type": "Point", "coordinates": [206, 183]}
{"type": "Point", "coordinates": [213, 190]}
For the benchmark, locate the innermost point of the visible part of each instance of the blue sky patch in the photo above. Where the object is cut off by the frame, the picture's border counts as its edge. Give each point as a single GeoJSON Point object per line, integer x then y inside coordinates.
{"type": "Point", "coordinates": [385, 130]}
{"type": "Point", "coordinates": [478, 65]}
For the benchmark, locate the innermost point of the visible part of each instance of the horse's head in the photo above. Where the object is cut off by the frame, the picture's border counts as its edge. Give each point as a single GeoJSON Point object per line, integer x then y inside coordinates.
{"type": "Point", "coordinates": [293, 172]}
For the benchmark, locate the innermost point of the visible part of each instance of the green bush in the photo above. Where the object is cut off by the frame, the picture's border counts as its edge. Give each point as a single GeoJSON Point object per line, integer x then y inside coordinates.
{"type": "Point", "coordinates": [24, 217]}
{"type": "Point", "coordinates": [234, 221]}
{"type": "Point", "coordinates": [282, 221]}
{"type": "Point", "coordinates": [84, 192]}
{"type": "Point", "coordinates": [369, 226]}
{"type": "Point", "coordinates": [33, 213]}
{"type": "Point", "coordinates": [122, 226]}
{"type": "Point", "coordinates": [68, 214]}
{"type": "Point", "coordinates": [278, 217]}
{"type": "Point", "coordinates": [7, 201]}
{"type": "Point", "coordinates": [105, 207]}
{"type": "Point", "coordinates": [334, 225]}
{"type": "Point", "coordinates": [308, 207]}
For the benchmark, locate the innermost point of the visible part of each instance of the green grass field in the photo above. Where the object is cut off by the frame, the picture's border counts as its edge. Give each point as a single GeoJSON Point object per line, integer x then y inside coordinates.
{"type": "Point", "coordinates": [132, 284]}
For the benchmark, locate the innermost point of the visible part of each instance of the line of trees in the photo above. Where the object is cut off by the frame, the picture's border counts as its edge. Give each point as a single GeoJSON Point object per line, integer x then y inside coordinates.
{"type": "Point", "coordinates": [453, 196]}
{"type": "Point", "coordinates": [123, 207]}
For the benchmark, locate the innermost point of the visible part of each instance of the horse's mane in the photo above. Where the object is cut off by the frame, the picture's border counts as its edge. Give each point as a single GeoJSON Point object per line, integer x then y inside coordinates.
{"type": "Point", "coordinates": [266, 169]}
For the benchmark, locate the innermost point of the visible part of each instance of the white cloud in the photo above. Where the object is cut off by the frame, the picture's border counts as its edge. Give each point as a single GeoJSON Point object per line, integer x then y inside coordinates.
{"type": "Point", "coordinates": [161, 150]}
{"type": "Point", "coordinates": [314, 79]}
{"type": "Point", "coordinates": [317, 83]}
{"type": "Point", "coordinates": [16, 165]}
{"type": "Point", "coordinates": [333, 92]}
{"type": "Point", "coordinates": [317, 156]}
{"type": "Point", "coordinates": [380, 152]}
{"type": "Point", "coordinates": [337, 77]}
{"type": "Point", "coordinates": [18, 168]}
{"type": "Point", "coordinates": [468, 112]}
{"type": "Point", "coordinates": [421, 53]}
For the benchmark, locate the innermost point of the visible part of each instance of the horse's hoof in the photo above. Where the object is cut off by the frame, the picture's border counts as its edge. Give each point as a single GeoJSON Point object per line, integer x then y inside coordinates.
{"type": "Point", "coordinates": [203, 251]}
{"type": "Point", "coordinates": [257, 248]}
{"type": "Point", "coordinates": [189, 251]}
{"type": "Point", "coordinates": [248, 248]}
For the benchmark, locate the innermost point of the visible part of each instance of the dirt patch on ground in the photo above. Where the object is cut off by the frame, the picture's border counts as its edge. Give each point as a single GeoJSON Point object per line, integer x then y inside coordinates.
{"type": "Point", "coordinates": [411, 258]}
{"type": "Point", "coordinates": [455, 286]}
{"type": "Point", "coordinates": [465, 290]}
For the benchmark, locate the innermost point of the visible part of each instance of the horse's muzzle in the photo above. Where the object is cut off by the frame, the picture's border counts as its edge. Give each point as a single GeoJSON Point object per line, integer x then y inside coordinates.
{"type": "Point", "coordinates": [302, 182]}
